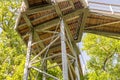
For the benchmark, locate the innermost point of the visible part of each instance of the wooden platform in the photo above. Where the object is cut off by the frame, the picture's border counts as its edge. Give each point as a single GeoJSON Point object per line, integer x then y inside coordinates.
{"type": "Point", "coordinates": [42, 16]}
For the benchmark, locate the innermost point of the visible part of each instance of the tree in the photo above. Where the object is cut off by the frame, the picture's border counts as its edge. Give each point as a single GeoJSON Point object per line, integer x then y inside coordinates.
{"type": "Point", "coordinates": [104, 57]}
{"type": "Point", "coordinates": [12, 48]}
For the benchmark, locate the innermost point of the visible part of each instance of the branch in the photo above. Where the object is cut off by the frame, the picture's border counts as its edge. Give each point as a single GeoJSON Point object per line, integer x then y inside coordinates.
{"type": "Point", "coordinates": [106, 60]}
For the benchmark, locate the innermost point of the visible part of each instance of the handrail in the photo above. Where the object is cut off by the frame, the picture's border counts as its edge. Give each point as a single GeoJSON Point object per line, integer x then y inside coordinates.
{"type": "Point", "coordinates": [103, 3]}
{"type": "Point", "coordinates": [111, 7]}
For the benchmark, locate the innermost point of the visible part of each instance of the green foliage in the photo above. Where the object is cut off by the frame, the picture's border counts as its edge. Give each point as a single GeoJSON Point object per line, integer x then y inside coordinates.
{"type": "Point", "coordinates": [104, 57]}
{"type": "Point", "coordinates": [12, 48]}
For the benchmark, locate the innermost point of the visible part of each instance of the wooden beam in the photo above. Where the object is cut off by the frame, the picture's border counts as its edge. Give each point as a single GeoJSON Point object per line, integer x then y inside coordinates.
{"type": "Point", "coordinates": [103, 25]}
{"type": "Point", "coordinates": [30, 25]}
{"type": "Point", "coordinates": [70, 71]}
{"type": "Point", "coordinates": [54, 22]}
{"type": "Point", "coordinates": [26, 4]}
{"type": "Point", "coordinates": [73, 71]}
{"type": "Point", "coordinates": [57, 8]}
{"type": "Point", "coordinates": [79, 26]}
{"type": "Point", "coordinates": [17, 21]}
{"type": "Point", "coordinates": [42, 16]}
{"type": "Point", "coordinates": [63, 51]}
{"type": "Point", "coordinates": [102, 32]}
{"type": "Point", "coordinates": [106, 35]}
{"type": "Point", "coordinates": [71, 3]}
{"type": "Point", "coordinates": [26, 69]}
{"type": "Point", "coordinates": [82, 25]}
{"type": "Point", "coordinates": [69, 34]}
{"type": "Point", "coordinates": [36, 10]}
{"type": "Point", "coordinates": [55, 78]}
{"type": "Point", "coordinates": [75, 50]}
{"type": "Point", "coordinates": [74, 13]}
{"type": "Point", "coordinates": [43, 50]}
{"type": "Point", "coordinates": [47, 58]}
{"type": "Point", "coordinates": [45, 39]}
{"type": "Point", "coordinates": [80, 66]}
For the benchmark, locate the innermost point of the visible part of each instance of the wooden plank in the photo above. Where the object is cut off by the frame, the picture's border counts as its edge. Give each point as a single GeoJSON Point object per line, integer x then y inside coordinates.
{"type": "Point", "coordinates": [69, 15]}
{"type": "Point", "coordinates": [42, 16]}
{"type": "Point", "coordinates": [36, 10]}
{"type": "Point", "coordinates": [71, 3]}
{"type": "Point", "coordinates": [103, 25]}
{"type": "Point", "coordinates": [54, 22]}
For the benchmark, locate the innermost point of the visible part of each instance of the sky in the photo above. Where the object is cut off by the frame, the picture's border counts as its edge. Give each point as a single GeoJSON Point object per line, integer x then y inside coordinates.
{"type": "Point", "coordinates": [0, 30]}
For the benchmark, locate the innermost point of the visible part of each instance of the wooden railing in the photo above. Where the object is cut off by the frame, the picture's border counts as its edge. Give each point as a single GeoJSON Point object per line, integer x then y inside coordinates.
{"type": "Point", "coordinates": [105, 7]}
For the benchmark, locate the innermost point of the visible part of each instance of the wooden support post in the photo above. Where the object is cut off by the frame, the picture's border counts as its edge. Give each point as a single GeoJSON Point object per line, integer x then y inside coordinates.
{"type": "Point", "coordinates": [63, 50]}
{"type": "Point", "coordinates": [35, 33]}
{"type": "Point", "coordinates": [77, 70]}
{"type": "Point", "coordinates": [26, 3]}
{"type": "Point", "coordinates": [26, 70]}
{"type": "Point", "coordinates": [77, 63]}
{"type": "Point", "coordinates": [82, 25]}
{"type": "Point", "coordinates": [45, 69]}
{"type": "Point", "coordinates": [74, 49]}
{"type": "Point", "coordinates": [70, 71]}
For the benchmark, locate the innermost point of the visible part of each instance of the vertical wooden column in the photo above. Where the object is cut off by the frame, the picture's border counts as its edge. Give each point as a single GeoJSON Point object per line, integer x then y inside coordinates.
{"type": "Point", "coordinates": [45, 69]}
{"type": "Point", "coordinates": [63, 51]}
{"type": "Point", "coordinates": [29, 48]}
{"type": "Point", "coordinates": [77, 70]}
{"type": "Point", "coordinates": [76, 65]}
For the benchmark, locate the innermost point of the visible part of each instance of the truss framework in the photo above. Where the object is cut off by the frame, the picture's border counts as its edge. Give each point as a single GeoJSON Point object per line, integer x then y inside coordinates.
{"type": "Point", "coordinates": [70, 63]}
{"type": "Point", "coordinates": [71, 68]}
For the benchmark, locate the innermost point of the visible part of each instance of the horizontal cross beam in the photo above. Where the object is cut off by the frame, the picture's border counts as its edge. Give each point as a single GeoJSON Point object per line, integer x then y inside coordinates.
{"type": "Point", "coordinates": [54, 22]}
